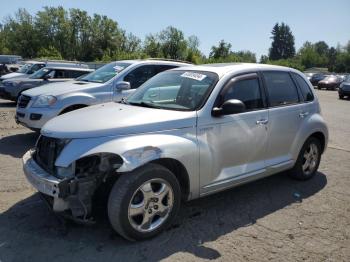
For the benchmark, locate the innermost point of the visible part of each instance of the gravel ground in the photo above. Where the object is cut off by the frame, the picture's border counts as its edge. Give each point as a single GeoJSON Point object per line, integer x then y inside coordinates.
{"type": "Point", "coordinates": [274, 219]}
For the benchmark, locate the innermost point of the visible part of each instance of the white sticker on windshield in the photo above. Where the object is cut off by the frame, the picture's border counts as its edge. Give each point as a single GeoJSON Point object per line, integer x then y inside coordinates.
{"type": "Point", "coordinates": [118, 68]}
{"type": "Point", "coordinates": [193, 75]}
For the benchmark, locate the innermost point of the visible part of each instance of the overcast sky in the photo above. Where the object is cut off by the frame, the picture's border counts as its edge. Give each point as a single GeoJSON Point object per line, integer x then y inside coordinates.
{"type": "Point", "coordinates": [246, 24]}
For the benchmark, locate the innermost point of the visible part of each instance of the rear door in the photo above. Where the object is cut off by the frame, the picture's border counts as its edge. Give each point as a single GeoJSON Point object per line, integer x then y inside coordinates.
{"type": "Point", "coordinates": [284, 116]}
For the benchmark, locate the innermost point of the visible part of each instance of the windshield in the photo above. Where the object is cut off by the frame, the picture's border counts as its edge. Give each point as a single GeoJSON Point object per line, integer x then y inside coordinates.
{"type": "Point", "coordinates": [105, 73]}
{"type": "Point", "coordinates": [24, 68]}
{"type": "Point", "coordinates": [175, 90]}
{"type": "Point", "coordinates": [40, 73]}
{"type": "Point", "coordinates": [347, 78]}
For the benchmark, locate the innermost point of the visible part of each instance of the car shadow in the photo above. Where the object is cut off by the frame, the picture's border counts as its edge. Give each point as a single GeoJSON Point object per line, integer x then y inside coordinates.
{"type": "Point", "coordinates": [30, 227]}
{"type": "Point", "coordinates": [17, 145]}
{"type": "Point", "coordinates": [7, 104]}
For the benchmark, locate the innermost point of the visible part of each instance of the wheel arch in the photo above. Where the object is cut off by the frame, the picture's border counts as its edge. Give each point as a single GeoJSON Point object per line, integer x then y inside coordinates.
{"type": "Point", "coordinates": [179, 170]}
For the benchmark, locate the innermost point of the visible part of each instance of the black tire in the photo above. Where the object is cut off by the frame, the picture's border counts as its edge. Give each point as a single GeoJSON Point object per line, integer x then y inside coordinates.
{"type": "Point", "coordinates": [297, 172]}
{"type": "Point", "coordinates": [124, 190]}
{"type": "Point", "coordinates": [341, 96]}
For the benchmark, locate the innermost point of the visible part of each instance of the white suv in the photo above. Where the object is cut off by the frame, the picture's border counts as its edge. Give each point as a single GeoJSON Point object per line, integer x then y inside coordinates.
{"type": "Point", "coordinates": [110, 82]}
{"type": "Point", "coordinates": [186, 133]}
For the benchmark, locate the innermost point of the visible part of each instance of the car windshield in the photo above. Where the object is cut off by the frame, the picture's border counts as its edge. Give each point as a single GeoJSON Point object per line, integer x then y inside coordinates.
{"type": "Point", "coordinates": [24, 69]}
{"type": "Point", "coordinates": [105, 73]}
{"type": "Point", "coordinates": [175, 90]}
{"type": "Point", "coordinates": [40, 73]}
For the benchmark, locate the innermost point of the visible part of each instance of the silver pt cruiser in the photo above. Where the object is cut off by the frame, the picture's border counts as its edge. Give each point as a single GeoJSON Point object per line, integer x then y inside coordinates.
{"type": "Point", "coordinates": [183, 134]}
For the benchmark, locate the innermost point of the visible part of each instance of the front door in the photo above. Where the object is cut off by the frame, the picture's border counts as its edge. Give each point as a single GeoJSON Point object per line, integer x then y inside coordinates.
{"type": "Point", "coordinates": [233, 146]}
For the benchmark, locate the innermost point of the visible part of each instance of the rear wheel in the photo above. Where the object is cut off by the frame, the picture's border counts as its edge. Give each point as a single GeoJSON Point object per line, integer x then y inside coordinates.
{"type": "Point", "coordinates": [308, 160]}
{"type": "Point", "coordinates": [143, 202]}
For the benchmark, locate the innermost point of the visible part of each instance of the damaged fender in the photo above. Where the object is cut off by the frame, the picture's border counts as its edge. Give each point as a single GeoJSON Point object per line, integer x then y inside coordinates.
{"type": "Point", "coordinates": [138, 150]}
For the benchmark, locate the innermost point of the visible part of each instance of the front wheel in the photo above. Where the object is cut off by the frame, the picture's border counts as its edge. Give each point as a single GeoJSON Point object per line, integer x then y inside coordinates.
{"type": "Point", "coordinates": [144, 202]}
{"type": "Point", "coordinates": [341, 97]}
{"type": "Point", "coordinates": [308, 160]}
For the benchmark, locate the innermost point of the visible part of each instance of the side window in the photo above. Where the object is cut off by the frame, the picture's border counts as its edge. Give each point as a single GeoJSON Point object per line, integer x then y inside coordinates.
{"type": "Point", "coordinates": [140, 75]}
{"type": "Point", "coordinates": [76, 74]}
{"type": "Point", "coordinates": [61, 74]}
{"type": "Point", "coordinates": [248, 91]}
{"type": "Point", "coordinates": [304, 87]}
{"type": "Point", "coordinates": [162, 68]}
{"type": "Point", "coordinates": [280, 88]}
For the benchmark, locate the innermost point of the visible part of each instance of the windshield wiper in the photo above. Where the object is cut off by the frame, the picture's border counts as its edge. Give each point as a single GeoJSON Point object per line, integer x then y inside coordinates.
{"type": "Point", "coordinates": [144, 104]}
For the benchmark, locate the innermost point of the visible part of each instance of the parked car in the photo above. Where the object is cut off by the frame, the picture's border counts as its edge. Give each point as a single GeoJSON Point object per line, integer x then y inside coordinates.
{"type": "Point", "coordinates": [184, 134]}
{"type": "Point", "coordinates": [330, 82]}
{"type": "Point", "coordinates": [31, 67]}
{"type": "Point", "coordinates": [11, 89]}
{"type": "Point", "coordinates": [309, 75]}
{"type": "Point", "coordinates": [110, 82]}
{"type": "Point", "coordinates": [316, 78]}
{"type": "Point", "coordinates": [9, 63]}
{"type": "Point", "coordinates": [344, 88]}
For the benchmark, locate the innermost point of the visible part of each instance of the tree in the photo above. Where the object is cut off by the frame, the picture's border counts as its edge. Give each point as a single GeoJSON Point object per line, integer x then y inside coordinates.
{"type": "Point", "coordinates": [321, 48]}
{"type": "Point", "coordinates": [152, 46]}
{"type": "Point", "coordinates": [282, 46]}
{"type": "Point", "coordinates": [264, 59]}
{"type": "Point", "coordinates": [173, 43]}
{"type": "Point", "coordinates": [223, 50]}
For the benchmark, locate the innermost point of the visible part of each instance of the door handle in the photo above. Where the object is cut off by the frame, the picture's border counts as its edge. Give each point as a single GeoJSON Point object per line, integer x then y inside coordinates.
{"type": "Point", "coordinates": [262, 122]}
{"type": "Point", "coordinates": [304, 114]}
{"type": "Point", "coordinates": [153, 95]}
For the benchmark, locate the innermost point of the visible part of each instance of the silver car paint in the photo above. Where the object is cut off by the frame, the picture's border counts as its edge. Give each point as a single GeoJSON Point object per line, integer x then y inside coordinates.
{"type": "Point", "coordinates": [79, 93]}
{"type": "Point", "coordinates": [214, 156]}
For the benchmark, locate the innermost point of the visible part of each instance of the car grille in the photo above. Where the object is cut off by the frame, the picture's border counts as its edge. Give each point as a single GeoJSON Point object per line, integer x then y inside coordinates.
{"type": "Point", "coordinates": [23, 101]}
{"type": "Point", "coordinates": [47, 150]}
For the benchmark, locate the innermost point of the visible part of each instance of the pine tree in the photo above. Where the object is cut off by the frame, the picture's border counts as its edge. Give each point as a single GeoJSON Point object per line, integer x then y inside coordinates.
{"type": "Point", "coordinates": [282, 46]}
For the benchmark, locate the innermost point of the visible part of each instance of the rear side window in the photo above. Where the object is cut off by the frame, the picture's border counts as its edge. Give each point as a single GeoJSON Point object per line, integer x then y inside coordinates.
{"type": "Point", "coordinates": [248, 91]}
{"type": "Point", "coordinates": [304, 88]}
{"type": "Point", "coordinates": [281, 89]}
{"type": "Point", "coordinates": [76, 74]}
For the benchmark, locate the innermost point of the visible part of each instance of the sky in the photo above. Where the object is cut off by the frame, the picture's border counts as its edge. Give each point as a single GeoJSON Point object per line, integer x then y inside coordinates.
{"type": "Point", "coordinates": [245, 24]}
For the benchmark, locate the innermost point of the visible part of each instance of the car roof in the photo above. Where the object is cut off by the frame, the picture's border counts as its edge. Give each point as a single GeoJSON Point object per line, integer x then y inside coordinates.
{"type": "Point", "coordinates": [224, 68]}
{"type": "Point", "coordinates": [155, 61]}
{"type": "Point", "coordinates": [69, 68]}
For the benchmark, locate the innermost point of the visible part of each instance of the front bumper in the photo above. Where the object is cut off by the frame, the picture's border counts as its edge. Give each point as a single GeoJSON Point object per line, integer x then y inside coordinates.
{"type": "Point", "coordinates": [23, 116]}
{"type": "Point", "coordinates": [39, 178]}
{"type": "Point", "coordinates": [345, 91]}
{"type": "Point", "coordinates": [5, 95]}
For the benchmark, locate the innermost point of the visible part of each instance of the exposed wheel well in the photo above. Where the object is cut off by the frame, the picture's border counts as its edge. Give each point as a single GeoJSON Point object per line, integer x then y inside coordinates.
{"type": "Point", "coordinates": [72, 108]}
{"type": "Point", "coordinates": [178, 169]}
{"type": "Point", "coordinates": [320, 136]}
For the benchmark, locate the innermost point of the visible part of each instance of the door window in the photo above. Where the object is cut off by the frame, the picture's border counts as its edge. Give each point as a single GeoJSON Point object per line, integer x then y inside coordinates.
{"type": "Point", "coordinates": [141, 74]}
{"type": "Point", "coordinates": [304, 87]}
{"type": "Point", "coordinates": [281, 89]}
{"type": "Point", "coordinates": [248, 91]}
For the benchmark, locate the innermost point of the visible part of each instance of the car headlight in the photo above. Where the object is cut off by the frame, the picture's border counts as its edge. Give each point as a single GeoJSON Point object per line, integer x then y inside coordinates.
{"type": "Point", "coordinates": [341, 85]}
{"type": "Point", "coordinates": [44, 101]}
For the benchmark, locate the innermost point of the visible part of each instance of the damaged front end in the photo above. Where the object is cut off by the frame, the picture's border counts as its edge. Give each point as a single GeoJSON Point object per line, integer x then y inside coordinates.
{"type": "Point", "coordinates": [68, 190]}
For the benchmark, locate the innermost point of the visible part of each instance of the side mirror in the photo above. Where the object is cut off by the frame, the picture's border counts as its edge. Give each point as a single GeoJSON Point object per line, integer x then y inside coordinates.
{"type": "Point", "coordinates": [46, 77]}
{"type": "Point", "coordinates": [122, 85]}
{"type": "Point", "coordinates": [229, 107]}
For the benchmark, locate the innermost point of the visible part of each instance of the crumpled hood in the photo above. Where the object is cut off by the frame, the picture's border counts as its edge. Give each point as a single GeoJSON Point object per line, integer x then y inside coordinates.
{"type": "Point", "coordinates": [115, 119]}
{"type": "Point", "coordinates": [60, 88]}
{"type": "Point", "coordinates": [12, 75]}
